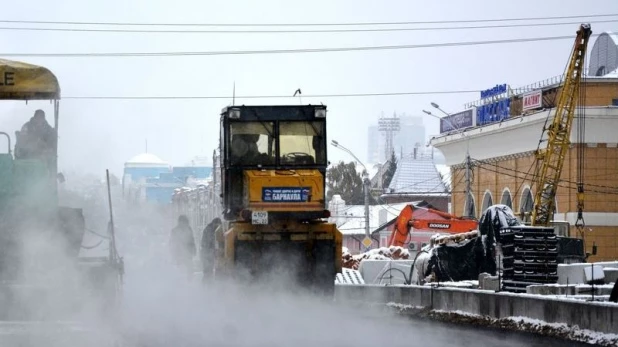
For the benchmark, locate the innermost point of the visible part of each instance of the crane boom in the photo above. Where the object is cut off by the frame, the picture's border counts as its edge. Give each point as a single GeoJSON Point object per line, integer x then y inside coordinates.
{"type": "Point", "coordinates": [551, 159]}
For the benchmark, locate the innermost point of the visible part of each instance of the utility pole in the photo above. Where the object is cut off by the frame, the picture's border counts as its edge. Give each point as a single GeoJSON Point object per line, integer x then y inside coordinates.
{"type": "Point", "coordinates": [366, 184]}
{"type": "Point", "coordinates": [468, 183]}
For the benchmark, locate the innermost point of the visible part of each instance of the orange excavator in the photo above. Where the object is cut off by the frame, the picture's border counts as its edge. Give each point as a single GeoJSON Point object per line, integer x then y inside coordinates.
{"type": "Point", "coordinates": [428, 221]}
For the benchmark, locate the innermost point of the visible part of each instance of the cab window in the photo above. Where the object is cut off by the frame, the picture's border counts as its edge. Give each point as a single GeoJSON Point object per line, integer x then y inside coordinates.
{"type": "Point", "coordinates": [302, 143]}
{"type": "Point", "coordinates": [252, 143]}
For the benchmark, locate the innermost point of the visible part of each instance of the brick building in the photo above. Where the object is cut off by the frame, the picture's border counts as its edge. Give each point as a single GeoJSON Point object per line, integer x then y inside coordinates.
{"type": "Point", "coordinates": [502, 143]}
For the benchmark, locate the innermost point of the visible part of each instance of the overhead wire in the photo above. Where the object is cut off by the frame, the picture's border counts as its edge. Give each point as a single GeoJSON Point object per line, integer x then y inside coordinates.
{"type": "Point", "coordinates": [478, 20]}
{"type": "Point", "coordinates": [286, 51]}
{"type": "Point", "coordinates": [563, 180]}
{"type": "Point", "coordinates": [342, 95]}
{"type": "Point", "coordinates": [488, 167]}
{"type": "Point", "coordinates": [296, 31]}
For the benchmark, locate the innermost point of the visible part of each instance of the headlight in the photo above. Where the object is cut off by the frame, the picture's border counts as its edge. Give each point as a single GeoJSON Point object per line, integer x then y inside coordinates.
{"type": "Point", "coordinates": [320, 113]}
{"type": "Point", "coordinates": [234, 113]}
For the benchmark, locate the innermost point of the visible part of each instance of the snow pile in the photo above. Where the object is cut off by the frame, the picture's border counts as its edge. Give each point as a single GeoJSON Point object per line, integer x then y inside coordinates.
{"type": "Point", "coordinates": [524, 324]}
{"type": "Point", "coordinates": [383, 253]}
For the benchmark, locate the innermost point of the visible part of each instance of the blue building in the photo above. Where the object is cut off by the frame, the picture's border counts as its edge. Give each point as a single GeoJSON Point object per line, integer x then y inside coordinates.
{"type": "Point", "coordinates": [147, 178]}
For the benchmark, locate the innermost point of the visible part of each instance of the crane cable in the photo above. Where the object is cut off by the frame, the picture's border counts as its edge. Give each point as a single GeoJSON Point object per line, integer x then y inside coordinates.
{"type": "Point", "coordinates": [581, 147]}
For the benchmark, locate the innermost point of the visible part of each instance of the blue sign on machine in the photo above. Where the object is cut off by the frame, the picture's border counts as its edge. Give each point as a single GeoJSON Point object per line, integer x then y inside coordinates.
{"type": "Point", "coordinates": [285, 194]}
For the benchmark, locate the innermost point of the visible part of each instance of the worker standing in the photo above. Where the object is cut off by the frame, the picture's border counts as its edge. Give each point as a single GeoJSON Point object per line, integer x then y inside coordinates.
{"type": "Point", "coordinates": [182, 245]}
{"type": "Point", "coordinates": [207, 249]}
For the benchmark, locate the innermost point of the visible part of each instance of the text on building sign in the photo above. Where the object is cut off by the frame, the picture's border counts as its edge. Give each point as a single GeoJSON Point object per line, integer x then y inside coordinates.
{"type": "Point", "coordinates": [494, 112]}
{"type": "Point", "coordinates": [457, 121]}
{"type": "Point", "coordinates": [497, 90]}
{"type": "Point", "coordinates": [532, 100]}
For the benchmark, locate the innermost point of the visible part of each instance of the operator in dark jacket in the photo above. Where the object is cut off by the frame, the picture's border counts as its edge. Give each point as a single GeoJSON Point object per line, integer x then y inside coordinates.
{"type": "Point", "coordinates": [37, 137]}
{"type": "Point", "coordinates": [207, 251]}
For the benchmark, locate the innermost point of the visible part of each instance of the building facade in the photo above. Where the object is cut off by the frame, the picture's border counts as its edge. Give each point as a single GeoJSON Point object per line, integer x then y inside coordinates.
{"type": "Point", "coordinates": [147, 178]}
{"type": "Point", "coordinates": [502, 145]}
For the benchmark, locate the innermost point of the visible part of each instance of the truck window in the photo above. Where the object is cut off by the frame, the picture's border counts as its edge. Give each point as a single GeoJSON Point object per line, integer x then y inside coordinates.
{"type": "Point", "coordinates": [252, 143]}
{"type": "Point", "coordinates": [302, 143]}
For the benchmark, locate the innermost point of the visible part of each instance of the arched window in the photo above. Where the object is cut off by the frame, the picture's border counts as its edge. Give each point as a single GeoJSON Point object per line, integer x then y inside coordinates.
{"type": "Point", "coordinates": [506, 198]}
{"type": "Point", "coordinates": [487, 201]}
{"type": "Point", "coordinates": [470, 206]}
{"type": "Point", "coordinates": [526, 204]}
{"type": "Point", "coordinates": [556, 205]}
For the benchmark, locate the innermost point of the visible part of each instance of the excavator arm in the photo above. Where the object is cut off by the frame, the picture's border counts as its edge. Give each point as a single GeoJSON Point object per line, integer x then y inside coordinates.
{"type": "Point", "coordinates": [427, 219]}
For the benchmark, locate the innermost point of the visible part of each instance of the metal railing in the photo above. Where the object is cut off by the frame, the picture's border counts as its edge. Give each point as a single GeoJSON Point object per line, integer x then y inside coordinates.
{"type": "Point", "coordinates": [548, 82]}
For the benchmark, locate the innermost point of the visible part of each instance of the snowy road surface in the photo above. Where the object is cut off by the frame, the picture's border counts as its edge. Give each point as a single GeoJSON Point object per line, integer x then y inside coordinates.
{"type": "Point", "coordinates": [163, 309]}
{"type": "Point", "coordinates": [367, 331]}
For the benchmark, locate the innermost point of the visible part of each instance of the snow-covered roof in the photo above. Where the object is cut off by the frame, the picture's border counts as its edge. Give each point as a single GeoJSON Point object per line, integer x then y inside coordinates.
{"type": "Point", "coordinates": [146, 159]}
{"type": "Point", "coordinates": [351, 218]}
{"type": "Point", "coordinates": [417, 176]}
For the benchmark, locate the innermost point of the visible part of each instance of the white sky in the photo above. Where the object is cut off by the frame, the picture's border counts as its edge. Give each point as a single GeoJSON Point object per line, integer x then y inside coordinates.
{"type": "Point", "coordinates": [96, 135]}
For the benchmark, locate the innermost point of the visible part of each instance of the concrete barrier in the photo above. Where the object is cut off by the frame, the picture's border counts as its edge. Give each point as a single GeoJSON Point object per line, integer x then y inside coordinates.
{"type": "Point", "coordinates": [595, 316]}
{"type": "Point", "coordinates": [574, 273]}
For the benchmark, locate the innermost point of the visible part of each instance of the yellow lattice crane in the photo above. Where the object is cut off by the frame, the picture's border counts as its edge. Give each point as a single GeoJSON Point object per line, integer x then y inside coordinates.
{"type": "Point", "coordinates": [551, 159]}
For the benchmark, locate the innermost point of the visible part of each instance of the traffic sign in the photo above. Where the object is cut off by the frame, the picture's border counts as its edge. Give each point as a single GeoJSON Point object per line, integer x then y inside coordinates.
{"type": "Point", "coordinates": [367, 242]}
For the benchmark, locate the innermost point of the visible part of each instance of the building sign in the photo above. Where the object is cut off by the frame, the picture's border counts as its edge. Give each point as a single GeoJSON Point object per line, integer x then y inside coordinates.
{"type": "Point", "coordinates": [285, 194]}
{"type": "Point", "coordinates": [532, 100]}
{"type": "Point", "coordinates": [497, 106]}
{"type": "Point", "coordinates": [457, 121]}
{"type": "Point", "coordinates": [493, 112]}
{"type": "Point", "coordinates": [495, 91]}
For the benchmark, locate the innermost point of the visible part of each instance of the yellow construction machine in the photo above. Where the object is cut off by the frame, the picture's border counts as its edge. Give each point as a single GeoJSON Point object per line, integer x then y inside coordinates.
{"type": "Point", "coordinates": [273, 168]}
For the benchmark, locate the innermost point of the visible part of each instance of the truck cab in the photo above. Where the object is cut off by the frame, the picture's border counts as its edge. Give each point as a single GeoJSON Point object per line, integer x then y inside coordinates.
{"type": "Point", "coordinates": [273, 162]}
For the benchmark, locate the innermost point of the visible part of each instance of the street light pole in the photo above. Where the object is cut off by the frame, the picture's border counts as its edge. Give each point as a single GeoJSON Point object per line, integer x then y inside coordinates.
{"type": "Point", "coordinates": [468, 188]}
{"type": "Point", "coordinates": [366, 188]}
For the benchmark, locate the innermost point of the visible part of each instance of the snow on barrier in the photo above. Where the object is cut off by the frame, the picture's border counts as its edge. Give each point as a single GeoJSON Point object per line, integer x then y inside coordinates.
{"type": "Point", "coordinates": [579, 315]}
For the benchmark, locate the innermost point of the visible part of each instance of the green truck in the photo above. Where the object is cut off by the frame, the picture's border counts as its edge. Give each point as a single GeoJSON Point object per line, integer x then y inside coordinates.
{"type": "Point", "coordinates": [43, 273]}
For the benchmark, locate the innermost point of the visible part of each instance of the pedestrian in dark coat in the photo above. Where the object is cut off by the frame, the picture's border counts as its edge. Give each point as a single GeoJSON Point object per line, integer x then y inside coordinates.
{"type": "Point", "coordinates": [208, 247]}
{"type": "Point", "coordinates": [182, 245]}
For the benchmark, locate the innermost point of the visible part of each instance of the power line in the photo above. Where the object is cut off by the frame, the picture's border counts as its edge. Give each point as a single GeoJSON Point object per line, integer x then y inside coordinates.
{"type": "Point", "coordinates": [305, 24]}
{"type": "Point", "coordinates": [161, 97]}
{"type": "Point", "coordinates": [303, 31]}
{"type": "Point", "coordinates": [284, 51]}
{"type": "Point", "coordinates": [486, 166]}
